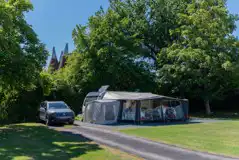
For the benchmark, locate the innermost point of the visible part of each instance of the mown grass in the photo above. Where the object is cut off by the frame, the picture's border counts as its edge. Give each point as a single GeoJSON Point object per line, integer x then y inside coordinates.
{"type": "Point", "coordinates": [79, 117]}
{"type": "Point", "coordinates": [35, 141]}
{"type": "Point", "coordinates": [217, 115]}
{"type": "Point", "coordinates": [220, 138]}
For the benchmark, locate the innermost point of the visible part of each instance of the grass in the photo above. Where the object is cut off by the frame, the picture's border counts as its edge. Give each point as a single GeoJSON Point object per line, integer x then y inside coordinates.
{"type": "Point", "coordinates": [79, 117]}
{"type": "Point", "coordinates": [217, 115]}
{"type": "Point", "coordinates": [220, 138]}
{"type": "Point", "coordinates": [35, 141]}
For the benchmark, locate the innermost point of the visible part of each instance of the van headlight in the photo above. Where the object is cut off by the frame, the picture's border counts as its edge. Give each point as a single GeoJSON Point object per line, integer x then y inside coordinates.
{"type": "Point", "coordinates": [73, 114]}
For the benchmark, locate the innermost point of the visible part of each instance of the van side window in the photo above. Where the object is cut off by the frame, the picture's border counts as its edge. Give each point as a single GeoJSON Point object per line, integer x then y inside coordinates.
{"type": "Point", "coordinates": [43, 105]}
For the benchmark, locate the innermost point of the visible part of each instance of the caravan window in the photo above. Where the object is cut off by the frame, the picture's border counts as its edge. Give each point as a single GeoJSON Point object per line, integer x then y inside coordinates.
{"type": "Point", "coordinates": [146, 110]}
{"type": "Point", "coordinates": [129, 110]}
{"type": "Point", "coordinates": [109, 112]}
{"type": "Point", "coordinates": [174, 103]}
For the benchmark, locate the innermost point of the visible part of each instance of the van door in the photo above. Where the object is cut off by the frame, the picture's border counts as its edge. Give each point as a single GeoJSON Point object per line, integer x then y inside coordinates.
{"type": "Point", "coordinates": [43, 111]}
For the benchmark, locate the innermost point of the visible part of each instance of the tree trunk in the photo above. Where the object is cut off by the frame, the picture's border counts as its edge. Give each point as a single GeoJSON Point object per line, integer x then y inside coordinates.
{"type": "Point", "coordinates": [208, 108]}
{"type": "Point", "coordinates": [182, 96]}
{"type": "Point", "coordinates": [54, 95]}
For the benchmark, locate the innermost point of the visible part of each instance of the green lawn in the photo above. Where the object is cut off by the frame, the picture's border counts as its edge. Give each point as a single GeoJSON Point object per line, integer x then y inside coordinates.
{"type": "Point", "coordinates": [35, 141]}
{"type": "Point", "coordinates": [220, 138]}
{"type": "Point", "coordinates": [217, 115]}
{"type": "Point", "coordinates": [79, 117]}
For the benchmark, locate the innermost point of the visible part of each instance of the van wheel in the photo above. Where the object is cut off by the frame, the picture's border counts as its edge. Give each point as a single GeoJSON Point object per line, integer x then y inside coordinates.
{"type": "Point", "coordinates": [40, 121]}
{"type": "Point", "coordinates": [48, 123]}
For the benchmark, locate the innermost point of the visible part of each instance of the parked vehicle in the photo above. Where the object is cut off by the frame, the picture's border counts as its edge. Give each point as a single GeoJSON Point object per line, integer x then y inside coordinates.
{"type": "Point", "coordinates": [56, 112]}
{"type": "Point", "coordinates": [92, 96]}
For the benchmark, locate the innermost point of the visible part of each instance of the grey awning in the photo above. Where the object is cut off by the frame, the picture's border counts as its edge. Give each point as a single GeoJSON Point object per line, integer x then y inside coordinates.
{"type": "Point", "coordinates": [130, 96]}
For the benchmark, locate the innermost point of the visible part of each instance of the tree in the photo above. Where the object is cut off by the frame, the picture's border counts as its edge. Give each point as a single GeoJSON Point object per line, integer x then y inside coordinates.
{"type": "Point", "coordinates": [46, 83]}
{"type": "Point", "coordinates": [148, 23]}
{"type": "Point", "coordinates": [111, 55]}
{"type": "Point", "coordinates": [22, 56]}
{"type": "Point", "coordinates": [120, 45]}
{"type": "Point", "coordinates": [202, 56]}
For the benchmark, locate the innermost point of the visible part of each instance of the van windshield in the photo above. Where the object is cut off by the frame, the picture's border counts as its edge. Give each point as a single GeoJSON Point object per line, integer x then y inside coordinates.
{"type": "Point", "coordinates": [89, 99]}
{"type": "Point", "coordinates": [57, 106]}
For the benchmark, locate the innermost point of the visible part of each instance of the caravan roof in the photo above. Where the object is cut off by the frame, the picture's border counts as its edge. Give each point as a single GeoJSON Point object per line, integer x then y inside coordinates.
{"type": "Point", "coordinates": [122, 95]}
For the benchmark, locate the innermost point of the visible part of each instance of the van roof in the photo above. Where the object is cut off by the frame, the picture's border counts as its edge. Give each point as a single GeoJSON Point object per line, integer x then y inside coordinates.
{"type": "Point", "coordinates": [93, 94]}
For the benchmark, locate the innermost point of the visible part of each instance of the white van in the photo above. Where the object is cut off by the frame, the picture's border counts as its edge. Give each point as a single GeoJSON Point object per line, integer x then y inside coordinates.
{"type": "Point", "coordinates": [92, 96]}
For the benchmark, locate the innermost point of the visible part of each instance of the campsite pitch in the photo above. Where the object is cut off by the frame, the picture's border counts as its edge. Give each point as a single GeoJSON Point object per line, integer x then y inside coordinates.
{"type": "Point", "coordinates": [35, 141]}
{"type": "Point", "coordinates": [219, 138]}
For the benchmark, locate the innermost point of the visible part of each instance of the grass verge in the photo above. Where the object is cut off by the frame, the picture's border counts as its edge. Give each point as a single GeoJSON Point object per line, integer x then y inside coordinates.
{"type": "Point", "coordinates": [35, 141]}
{"type": "Point", "coordinates": [79, 117]}
{"type": "Point", "coordinates": [220, 138]}
{"type": "Point", "coordinates": [217, 115]}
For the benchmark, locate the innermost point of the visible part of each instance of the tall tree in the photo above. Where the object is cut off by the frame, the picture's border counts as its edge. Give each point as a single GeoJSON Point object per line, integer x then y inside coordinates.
{"type": "Point", "coordinates": [22, 56]}
{"type": "Point", "coordinates": [118, 46]}
{"type": "Point", "coordinates": [111, 54]}
{"type": "Point", "coordinates": [204, 51]}
{"type": "Point", "coordinates": [148, 22]}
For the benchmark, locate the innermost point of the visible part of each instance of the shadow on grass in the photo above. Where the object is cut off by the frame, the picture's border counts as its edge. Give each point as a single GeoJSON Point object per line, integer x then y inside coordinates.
{"type": "Point", "coordinates": [38, 142]}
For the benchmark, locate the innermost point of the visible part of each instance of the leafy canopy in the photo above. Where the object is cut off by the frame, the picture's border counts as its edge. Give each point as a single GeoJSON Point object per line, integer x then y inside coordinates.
{"type": "Point", "coordinates": [201, 59]}
{"type": "Point", "coordinates": [22, 56]}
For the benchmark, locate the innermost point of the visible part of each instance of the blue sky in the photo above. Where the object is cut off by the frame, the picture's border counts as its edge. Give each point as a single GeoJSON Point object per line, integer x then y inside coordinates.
{"type": "Point", "coordinates": [54, 20]}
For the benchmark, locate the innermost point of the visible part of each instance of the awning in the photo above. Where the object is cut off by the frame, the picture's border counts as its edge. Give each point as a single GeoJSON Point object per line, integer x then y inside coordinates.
{"type": "Point", "coordinates": [131, 96]}
{"type": "Point", "coordinates": [111, 95]}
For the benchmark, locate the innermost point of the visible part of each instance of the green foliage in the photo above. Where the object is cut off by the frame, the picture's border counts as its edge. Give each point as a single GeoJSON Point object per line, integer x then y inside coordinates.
{"type": "Point", "coordinates": [163, 46]}
{"type": "Point", "coordinates": [188, 43]}
{"type": "Point", "coordinates": [46, 82]}
{"type": "Point", "coordinates": [79, 117]}
{"type": "Point", "coordinates": [147, 23]}
{"type": "Point", "coordinates": [25, 107]}
{"type": "Point", "coordinates": [118, 47]}
{"type": "Point", "coordinates": [201, 59]}
{"type": "Point", "coordinates": [22, 57]}
{"type": "Point", "coordinates": [7, 98]}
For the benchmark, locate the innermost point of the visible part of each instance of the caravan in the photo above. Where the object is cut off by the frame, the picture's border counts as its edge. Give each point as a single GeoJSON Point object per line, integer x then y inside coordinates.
{"type": "Point", "coordinates": [132, 106]}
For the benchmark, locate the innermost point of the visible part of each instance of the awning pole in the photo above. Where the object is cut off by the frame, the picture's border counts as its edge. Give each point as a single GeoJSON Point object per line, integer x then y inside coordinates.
{"type": "Point", "coordinates": [137, 117]}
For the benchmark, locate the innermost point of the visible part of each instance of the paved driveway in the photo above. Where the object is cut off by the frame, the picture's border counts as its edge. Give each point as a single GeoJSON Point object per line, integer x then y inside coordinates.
{"type": "Point", "coordinates": [138, 146]}
{"type": "Point", "coordinates": [131, 125]}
